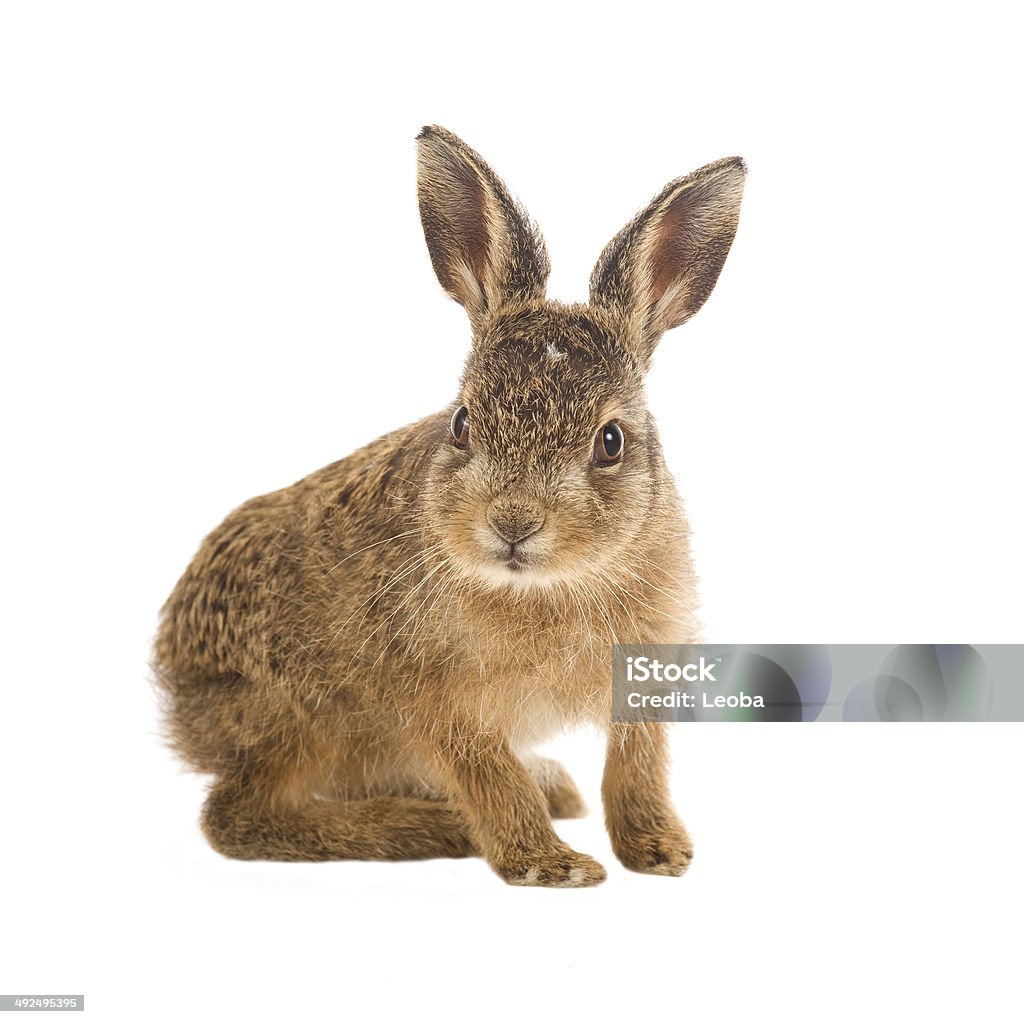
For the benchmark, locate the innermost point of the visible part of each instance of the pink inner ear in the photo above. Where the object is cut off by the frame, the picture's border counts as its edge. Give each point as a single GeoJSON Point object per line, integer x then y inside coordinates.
{"type": "Point", "coordinates": [673, 252]}
{"type": "Point", "coordinates": [469, 220]}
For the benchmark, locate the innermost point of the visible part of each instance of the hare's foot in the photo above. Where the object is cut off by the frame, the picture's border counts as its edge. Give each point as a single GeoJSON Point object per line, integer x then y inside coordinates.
{"type": "Point", "coordinates": [663, 848]}
{"type": "Point", "coordinates": [559, 867]}
{"type": "Point", "coordinates": [239, 823]}
{"type": "Point", "coordinates": [564, 800]}
{"type": "Point", "coordinates": [645, 832]}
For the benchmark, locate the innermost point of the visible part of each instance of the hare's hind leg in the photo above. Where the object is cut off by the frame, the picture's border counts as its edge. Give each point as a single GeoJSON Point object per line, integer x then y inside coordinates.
{"type": "Point", "coordinates": [564, 800]}
{"type": "Point", "coordinates": [243, 822]}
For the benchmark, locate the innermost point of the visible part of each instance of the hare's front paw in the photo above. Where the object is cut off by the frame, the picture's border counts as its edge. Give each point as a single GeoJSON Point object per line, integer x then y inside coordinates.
{"type": "Point", "coordinates": [558, 868]}
{"type": "Point", "coordinates": [664, 850]}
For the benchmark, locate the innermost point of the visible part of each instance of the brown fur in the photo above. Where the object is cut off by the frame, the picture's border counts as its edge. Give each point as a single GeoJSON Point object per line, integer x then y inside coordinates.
{"type": "Point", "coordinates": [351, 657]}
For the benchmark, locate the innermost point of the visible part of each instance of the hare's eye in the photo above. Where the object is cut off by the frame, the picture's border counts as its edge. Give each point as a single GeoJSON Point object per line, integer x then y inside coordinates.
{"type": "Point", "coordinates": [460, 427]}
{"type": "Point", "coordinates": [608, 444]}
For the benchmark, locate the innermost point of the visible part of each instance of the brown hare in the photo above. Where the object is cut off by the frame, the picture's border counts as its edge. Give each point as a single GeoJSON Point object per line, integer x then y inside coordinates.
{"type": "Point", "coordinates": [365, 660]}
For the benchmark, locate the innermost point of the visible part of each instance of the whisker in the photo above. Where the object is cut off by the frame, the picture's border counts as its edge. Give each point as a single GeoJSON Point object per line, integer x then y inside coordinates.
{"type": "Point", "coordinates": [375, 544]}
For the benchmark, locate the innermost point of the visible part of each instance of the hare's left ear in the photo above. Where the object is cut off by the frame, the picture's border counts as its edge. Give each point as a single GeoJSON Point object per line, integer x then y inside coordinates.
{"type": "Point", "coordinates": [485, 251]}
{"type": "Point", "coordinates": [658, 270]}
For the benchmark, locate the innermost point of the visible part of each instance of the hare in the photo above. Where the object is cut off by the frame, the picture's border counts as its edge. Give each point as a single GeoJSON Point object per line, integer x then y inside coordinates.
{"type": "Point", "coordinates": [364, 660]}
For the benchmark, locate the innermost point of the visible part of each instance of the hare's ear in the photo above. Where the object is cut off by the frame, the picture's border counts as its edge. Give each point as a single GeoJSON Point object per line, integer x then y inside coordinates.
{"type": "Point", "coordinates": [483, 246]}
{"type": "Point", "coordinates": [658, 270]}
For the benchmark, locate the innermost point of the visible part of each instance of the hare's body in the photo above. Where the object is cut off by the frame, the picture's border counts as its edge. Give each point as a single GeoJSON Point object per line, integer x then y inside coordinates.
{"type": "Point", "coordinates": [365, 660]}
{"type": "Point", "coordinates": [305, 636]}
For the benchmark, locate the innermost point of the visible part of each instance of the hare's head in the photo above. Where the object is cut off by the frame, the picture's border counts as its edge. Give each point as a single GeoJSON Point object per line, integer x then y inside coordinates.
{"type": "Point", "coordinates": [551, 462]}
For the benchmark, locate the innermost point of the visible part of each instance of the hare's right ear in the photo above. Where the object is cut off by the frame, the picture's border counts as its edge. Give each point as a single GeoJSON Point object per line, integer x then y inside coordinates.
{"type": "Point", "coordinates": [659, 269]}
{"type": "Point", "coordinates": [485, 251]}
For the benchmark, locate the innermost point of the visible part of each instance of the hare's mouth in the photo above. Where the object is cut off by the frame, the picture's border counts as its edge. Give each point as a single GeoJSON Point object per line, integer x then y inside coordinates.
{"type": "Point", "coordinates": [511, 564]}
{"type": "Point", "coordinates": [522, 563]}
{"type": "Point", "coordinates": [514, 558]}
{"type": "Point", "coordinates": [521, 559]}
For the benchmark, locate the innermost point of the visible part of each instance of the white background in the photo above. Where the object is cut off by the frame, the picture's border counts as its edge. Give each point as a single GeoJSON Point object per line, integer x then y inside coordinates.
{"type": "Point", "coordinates": [213, 282]}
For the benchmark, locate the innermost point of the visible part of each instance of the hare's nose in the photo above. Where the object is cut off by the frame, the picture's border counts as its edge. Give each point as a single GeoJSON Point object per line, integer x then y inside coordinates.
{"type": "Point", "coordinates": [514, 521]}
